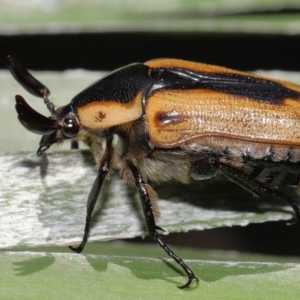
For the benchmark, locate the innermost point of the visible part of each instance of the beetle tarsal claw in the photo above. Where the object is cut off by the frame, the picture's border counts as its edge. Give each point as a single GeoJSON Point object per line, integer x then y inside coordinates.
{"type": "Point", "coordinates": [188, 283]}
{"type": "Point", "coordinates": [76, 249]}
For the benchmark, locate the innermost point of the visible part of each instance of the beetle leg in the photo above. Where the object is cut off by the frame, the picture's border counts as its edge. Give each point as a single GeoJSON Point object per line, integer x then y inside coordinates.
{"type": "Point", "coordinates": [152, 227]}
{"type": "Point", "coordinates": [92, 199]}
{"type": "Point", "coordinates": [74, 145]}
{"type": "Point", "coordinates": [249, 183]}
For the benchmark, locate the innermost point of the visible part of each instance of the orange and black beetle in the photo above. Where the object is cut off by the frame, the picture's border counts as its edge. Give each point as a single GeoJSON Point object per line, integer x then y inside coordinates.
{"type": "Point", "coordinates": [177, 120]}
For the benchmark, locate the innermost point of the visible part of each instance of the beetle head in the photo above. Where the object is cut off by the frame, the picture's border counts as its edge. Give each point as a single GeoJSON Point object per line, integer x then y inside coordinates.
{"type": "Point", "coordinates": [61, 125]}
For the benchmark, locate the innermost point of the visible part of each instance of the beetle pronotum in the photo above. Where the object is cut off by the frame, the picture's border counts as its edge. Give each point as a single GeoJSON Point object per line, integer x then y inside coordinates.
{"type": "Point", "coordinates": [176, 120]}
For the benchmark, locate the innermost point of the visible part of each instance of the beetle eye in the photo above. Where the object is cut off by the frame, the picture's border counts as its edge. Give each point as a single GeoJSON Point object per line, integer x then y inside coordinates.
{"type": "Point", "coordinates": [70, 127]}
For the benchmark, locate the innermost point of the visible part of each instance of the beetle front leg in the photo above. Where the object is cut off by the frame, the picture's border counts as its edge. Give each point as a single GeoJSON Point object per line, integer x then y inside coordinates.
{"type": "Point", "coordinates": [92, 199]}
{"type": "Point", "coordinates": [74, 145]}
{"type": "Point", "coordinates": [152, 227]}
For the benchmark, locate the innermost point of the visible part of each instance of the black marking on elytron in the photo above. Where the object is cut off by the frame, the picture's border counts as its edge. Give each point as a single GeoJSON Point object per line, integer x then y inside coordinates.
{"type": "Point", "coordinates": [124, 84]}
{"type": "Point", "coordinates": [235, 84]}
{"type": "Point", "coordinates": [167, 118]}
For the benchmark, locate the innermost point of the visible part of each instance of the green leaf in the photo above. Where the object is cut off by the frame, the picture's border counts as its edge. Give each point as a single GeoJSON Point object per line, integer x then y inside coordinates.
{"type": "Point", "coordinates": [29, 275]}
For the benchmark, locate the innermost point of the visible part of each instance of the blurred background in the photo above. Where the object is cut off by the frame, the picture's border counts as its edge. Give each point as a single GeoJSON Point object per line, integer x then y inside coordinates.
{"type": "Point", "coordinates": [59, 35]}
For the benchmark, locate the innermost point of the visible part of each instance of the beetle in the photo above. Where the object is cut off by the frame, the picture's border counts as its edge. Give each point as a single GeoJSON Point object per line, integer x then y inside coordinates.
{"type": "Point", "coordinates": [176, 120]}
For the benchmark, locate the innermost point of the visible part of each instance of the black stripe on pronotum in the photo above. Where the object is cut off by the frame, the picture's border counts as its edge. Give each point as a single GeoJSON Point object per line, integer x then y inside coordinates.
{"type": "Point", "coordinates": [176, 120]}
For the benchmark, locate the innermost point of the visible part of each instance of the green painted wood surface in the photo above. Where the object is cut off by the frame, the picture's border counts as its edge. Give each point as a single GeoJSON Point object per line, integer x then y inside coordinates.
{"type": "Point", "coordinates": [218, 16]}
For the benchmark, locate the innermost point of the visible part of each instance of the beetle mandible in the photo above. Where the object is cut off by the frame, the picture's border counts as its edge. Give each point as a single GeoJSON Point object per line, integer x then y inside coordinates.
{"type": "Point", "coordinates": [176, 120]}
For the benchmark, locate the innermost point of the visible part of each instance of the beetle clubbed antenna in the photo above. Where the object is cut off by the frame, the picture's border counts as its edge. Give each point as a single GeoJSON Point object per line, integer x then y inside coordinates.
{"type": "Point", "coordinates": [49, 104]}
{"type": "Point", "coordinates": [29, 83]}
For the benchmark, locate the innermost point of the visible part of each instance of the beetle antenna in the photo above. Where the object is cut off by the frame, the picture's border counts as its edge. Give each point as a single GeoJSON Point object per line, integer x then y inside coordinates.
{"type": "Point", "coordinates": [49, 104]}
{"type": "Point", "coordinates": [29, 83]}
